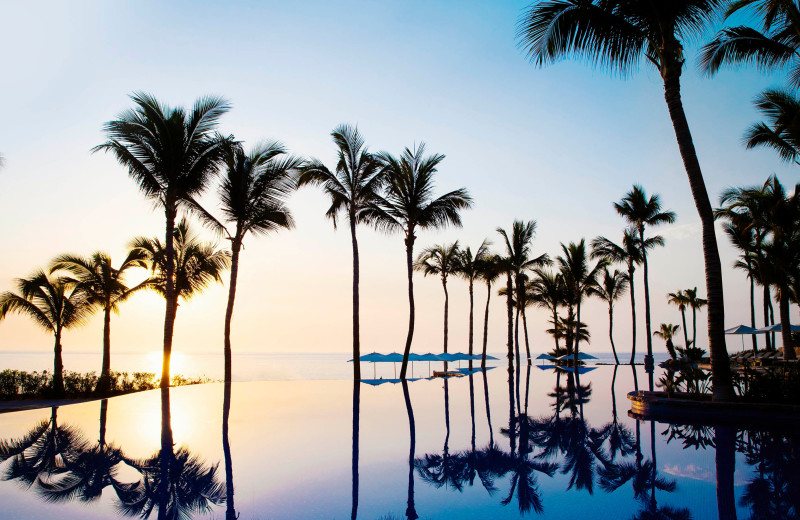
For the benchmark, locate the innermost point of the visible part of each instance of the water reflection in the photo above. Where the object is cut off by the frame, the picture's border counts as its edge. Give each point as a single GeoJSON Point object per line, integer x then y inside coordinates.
{"type": "Point", "coordinates": [230, 508]}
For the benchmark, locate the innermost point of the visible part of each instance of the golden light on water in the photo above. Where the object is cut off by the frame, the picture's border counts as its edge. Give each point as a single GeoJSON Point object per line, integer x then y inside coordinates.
{"type": "Point", "coordinates": [178, 363]}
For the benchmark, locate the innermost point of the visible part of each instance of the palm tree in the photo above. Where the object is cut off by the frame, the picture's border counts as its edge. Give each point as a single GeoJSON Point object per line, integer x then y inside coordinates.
{"type": "Point", "coordinates": [105, 287]}
{"type": "Point", "coordinates": [440, 260]}
{"type": "Point", "coordinates": [775, 45]}
{"type": "Point", "coordinates": [630, 254]}
{"type": "Point", "coordinates": [681, 300]}
{"type": "Point", "coordinates": [695, 303]}
{"type": "Point", "coordinates": [580, 279]}
{"type": "Point", "coordinates": [743, 237]}
{"type": "Point", "coordinates": [518, 251]}
{"type": "Point", "coordinates": [172, 155]}
{"type": "Point", "coordinates": [617, 36]}
{"type": "Point", "coordinates": [253, 194]}
{"type": "Point", "coordinates": [640, 211]}
{"type": "Point", "coordinates": [54, 304]}
{"type": "Point", "coordinates": [469, 267]}
{"type": "Point", "coordinates": [549, 292]}
{"type": "Point", "coordinates": [610, 288]}
{"type": "Point", "coordinates": [351, 187]}
{"type": "Point", "coordinates": [667, 332]}
{"type": "Point", "coordinates": [196, 266]}
{"type": "Point", "coordinates": [489, 270]}
{"type": "Point", "coordinates": [408, 205]}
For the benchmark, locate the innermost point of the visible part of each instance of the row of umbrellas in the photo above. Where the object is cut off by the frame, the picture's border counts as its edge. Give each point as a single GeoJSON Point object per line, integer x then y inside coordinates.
{"type": "Point", "coordinates": [376, 382]}
{"type": "Point", "coordinates": [581, 356]}
{"type": "Point", "coordinates": [394, 357]}
{"type": "Point", "coordinates": [744, 329]}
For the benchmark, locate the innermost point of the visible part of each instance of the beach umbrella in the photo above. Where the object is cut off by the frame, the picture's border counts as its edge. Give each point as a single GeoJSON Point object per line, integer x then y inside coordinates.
{"type": "Point", "coordinates": [546, 367]}
{"type": "Point", "coordinates": [741, 330]}
{"type": "Point", "coordinates": [580, 370]}
{"type": "Point", "coordinates": [546, 356]}
{"type": "Point", "coordinates": [467, 371]}
{"type": "Point", "coordinates": [777, 328]}
{"type": "Point", "coordinates": [376, 382]}
{"type": "Point", "coordinates": [395, 358]}
{"type": "Point", "coordinates": [373, 358]}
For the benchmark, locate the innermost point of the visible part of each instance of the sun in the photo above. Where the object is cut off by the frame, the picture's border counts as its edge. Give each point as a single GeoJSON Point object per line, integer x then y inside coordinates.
{"type": "Point", "coordinates": [177, 365]}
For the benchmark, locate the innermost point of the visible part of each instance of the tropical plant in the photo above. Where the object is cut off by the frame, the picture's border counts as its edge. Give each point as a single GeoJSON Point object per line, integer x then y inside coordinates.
{"type": "Point", "coordinates": [173, 156]}
{"type": "Point", "coordinates": [441, 261]}
{"type": "Point", "coordinates": [580, 278]}
{"type": "Point", "coordinates": [695, 303]}
{"type": "Point", "coordinates": [630, 254]}
{"type": "Point", "coordinates": [617, 35]}
{"type": "Point", "coordinates": [105, 287]}
{"type": "Point", "coordinates": [610, 288]}
{"type": "Point", "coordinates": [469, 266]}
{"type": "Point", "coordinates": [489, 271]}
{"type": "Point", "coordinates": [666, 332]}
{"type": "Point", "coordinates": [53, 303]}
{"type": "Point", "coordinates": [641, 211]}
{"type": "Point", "coordinates": [742, 236]}
{"type": "Point", "coordinates": [681, 300]}
{"type": "Point", "coordinates": [549, 292]}
{"type": "Point", "coordinates": [253, 196]}
{"type": "Point", "coordinates": [352, 186]}
{"type": "Point", "coordinates": [408, 205]}
{"type": "Point", "coordinates": [197, 264]}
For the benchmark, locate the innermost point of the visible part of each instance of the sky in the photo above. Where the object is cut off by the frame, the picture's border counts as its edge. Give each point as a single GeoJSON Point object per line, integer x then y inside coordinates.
{"type": "Point", "coordinates": [557, 145]}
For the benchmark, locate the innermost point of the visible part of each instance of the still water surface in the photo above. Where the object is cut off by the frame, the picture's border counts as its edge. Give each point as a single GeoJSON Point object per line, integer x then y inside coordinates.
{"type": "Point", "coordinates": [543, 444]}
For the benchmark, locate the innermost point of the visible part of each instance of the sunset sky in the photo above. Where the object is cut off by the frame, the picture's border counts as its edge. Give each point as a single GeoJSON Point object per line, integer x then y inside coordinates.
{"type": "Point", "coordinates": [558, 145]}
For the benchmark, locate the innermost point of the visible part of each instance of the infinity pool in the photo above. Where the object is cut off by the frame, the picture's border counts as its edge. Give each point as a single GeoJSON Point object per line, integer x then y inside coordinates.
{"type": "Point", "coordinates": [534, 443]}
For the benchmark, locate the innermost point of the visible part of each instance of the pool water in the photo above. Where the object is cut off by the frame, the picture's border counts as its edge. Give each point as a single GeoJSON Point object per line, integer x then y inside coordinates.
{"type": "Point", "coordinates": [532, 442]}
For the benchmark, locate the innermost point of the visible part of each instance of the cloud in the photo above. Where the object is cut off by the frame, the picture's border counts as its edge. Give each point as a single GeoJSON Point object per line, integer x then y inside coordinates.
{"type": "Point", "coordinates": [680, 231]}
{"type": "Point", "coordinates": [689, 471]}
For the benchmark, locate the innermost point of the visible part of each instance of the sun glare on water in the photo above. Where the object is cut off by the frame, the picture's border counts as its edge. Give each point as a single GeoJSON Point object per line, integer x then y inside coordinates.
{"type": "Point", "coordinates": [177, 365]}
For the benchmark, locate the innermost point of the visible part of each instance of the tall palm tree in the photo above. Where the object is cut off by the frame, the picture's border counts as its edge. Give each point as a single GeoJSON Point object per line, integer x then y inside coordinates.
{"type": "Point", "coordinates": [197, 264]}
{"type": "Point", "coordinates": [666, 332]}
{"type": "Point", "coordinates": [610, 288]}
{"type": "Point", "coordinates": [408, 205]}
{"type": "Point", "coordinates": [630, 254]}
{"type": "Point", "coordinates": [580, 278]}
{"type": "Point", "coordinates": [55, 304]}
{"type": "Point", "coordinates": [775, 45]}
{"type": "Point", "coordinates": [681, 300]}
{"type": "Point", "coordinates": [106, 288]}
{"type": "Point", "coordinates": [617, 36]}
{"type": "Point", "coordinates": [695, 303]}
{"type": "Point", "coordinates": [352, 186]}
{"type": "Point", "coordinates": [173, 156]}
{"type": "Point", "coordinates": [253, 196]}
{"type": "Point", "coordinates": [518, 250]}
{"type": "Point", "coordinates": [490, 271]}
{"type": "Point", "coordinates": [469, 267]}
{"type": "Point", "coordinates": [743, 237]}
{"type": "Point", "coordinates": [641, 211]}
{"type": "Point", "coordinates": [549, 292]}
{"type": "Point", "coordinates": [442, 261]}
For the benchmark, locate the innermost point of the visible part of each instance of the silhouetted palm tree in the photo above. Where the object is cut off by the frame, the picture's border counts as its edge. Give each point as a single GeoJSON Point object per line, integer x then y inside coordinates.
{"type": "Point", "coordinates": [580, 279]}
{"type": "Point", "coordinates": [197, 264]}
{"type": "Point", "coordinates": [518, 250]}
{"type": "Point", "coordinates": [743, 237]}
{"type": "Point", "coordinates": [230, 506]}
{"type": "Point", "coordinates": [610, 288]}
{"type": "Point", "coordinates": [680, 299]}
{"type": "Point", "coordinates": [469, 267]}
{"type": "Point", "coordinates": [695, 303]}
{"type": "Point", "coordinates": [172, 155]}
{"type": "Point", "coordinates": [666, 332]}
{"type": "Point", "coordinates": [489, 269]}
{"type": "Point", "coordinates": [54, 304]}
{"type": "Point", "coordinates": [617, 36]}
{"type": "Point", "coordinates": [549, 292]}
{"type": "Point", "coordinates": [641, 211]}
{"type": "Point", "coordinates": [441, 261]}
{"type": "Point", "coordinates": [630, 254]}
{"type": "Point", "coordinates": [105, 287]}
{"type": "Point", "coordinates": [253, 196]}
{"type": "Point", "coordinates": [352, 186]}
{"type": "Point", "coordinates": [411, 511]}
{"type": "Point", "coordinates": [408, 205]}
{"type": "Point", "coordinates": [618, 436]}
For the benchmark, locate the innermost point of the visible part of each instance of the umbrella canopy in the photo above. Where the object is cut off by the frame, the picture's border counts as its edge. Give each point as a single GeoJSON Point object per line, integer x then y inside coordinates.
{"type": "Point", "coordinates": [546, 356]}
{"type": "Point", "coordinates": [581, 355]}
{"type": "Point", "coordinates": [546, 367]}
{"type": "Point", "coordinates": [741, 329]}
{"type": "Point", "coordinates": [373, 357]}
{"type": "Point", "coordinates": [376, 382]}
{"type": "Point", "coordinates": [449, 357]}
{"type": "Point", "coordinates": [458, 356]}
{"type": "Point", "coordinates": [424, 357]}
{"type": "Point", "coordinates": [777, 328]}
{"type": "Point", "coordinates": [580, 370]}
{"type": "Point", "coordinates": [394, 357]}
{"type": "Point", "coordinates": [467, 371]}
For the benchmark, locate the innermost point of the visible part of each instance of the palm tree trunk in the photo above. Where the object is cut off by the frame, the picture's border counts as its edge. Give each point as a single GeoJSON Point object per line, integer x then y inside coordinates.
{"type": "Point", "coordinates": [694, 326]}
{"type": "Point", "coordinates": [685, 332]}
{"type": "Point", "coordinates": [753, 311]}
{"type": "Point", "coordinates": [58, 366]}
{"type": "Point", "coordinates": [356, 308]}
{"type": "Point", "coordinates": [354, 467]}
{"type": "Point", "coordinates": [786, 328]}
{"type": "Point", "coordinates": [633, 313]}
{"type": "Point", "coordinates": [410, 267]}
{"type": "Point", "coordinates": [525, 330]}
{"type": "Point", "coordinates": [720, 364]}
{"type": "Point", "coordinates": [103, 384]}
{"type": "Point", "coordinates": [555, 326]}
{"type": "Point", "coordinates": [236, 246]}
{"type": "Point", "coordinates": [101, 440]}
{"type": "Point", "coordinates": [510, 312]}
{"type": "Point", "coordinates": [169, 293]}
{"type": "Point", "coordinates": [166, 454]}
{"type": "Point", "coordinates": [411, 511]}
{"type": "Point", "coordinates": [770, 345]}
{"type": "Point", "coordinates": [725, 462]}
{"type": "Point", "coordinates": [230, 508]}
{"type": "Point", "coordinates": [648, 361]}
{"type": "Point", "coordinates": [446, 301]}
{"type": "Point", "coordinates": [611, 332]}
{"type": "Point", "coordinates": [516, 334]}
{"type": "Point", "coordinates": [488, 411]}
{"type": "Point", "coordinates": [471, 305]}
{"type": "Point", "coordinates": [577, 334]}
{"type": "Point", "coordinates": [772, 322]}
{"type": "Point", "coordinates": [486, 323]}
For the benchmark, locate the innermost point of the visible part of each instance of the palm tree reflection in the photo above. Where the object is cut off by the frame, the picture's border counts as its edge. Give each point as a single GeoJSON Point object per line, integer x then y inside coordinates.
{"type": "Point", "coordinates": [411, 512]}
{"type": "Point", "coordinates": [230, 509]}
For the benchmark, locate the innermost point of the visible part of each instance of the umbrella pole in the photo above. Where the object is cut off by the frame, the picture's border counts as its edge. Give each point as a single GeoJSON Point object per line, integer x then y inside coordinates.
{"type": "Point", "coordinates": [395, 370]}
{"type": "Point", "coordinates": [373, 370]}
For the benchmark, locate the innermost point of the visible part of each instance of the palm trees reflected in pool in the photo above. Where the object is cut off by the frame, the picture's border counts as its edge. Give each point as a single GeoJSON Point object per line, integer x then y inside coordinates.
{"type": "Point", "coordinates": [419, 449]}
